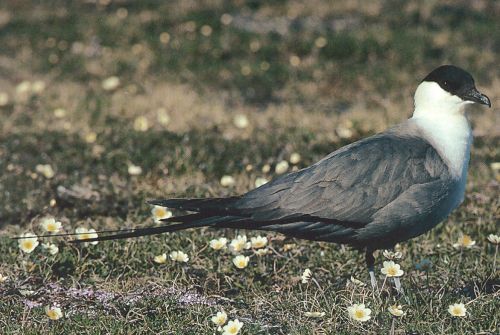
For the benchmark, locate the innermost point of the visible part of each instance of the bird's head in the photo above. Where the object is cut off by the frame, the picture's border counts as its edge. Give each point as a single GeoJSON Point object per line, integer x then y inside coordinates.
{"type": "Point", "coordinates": [447, 90]}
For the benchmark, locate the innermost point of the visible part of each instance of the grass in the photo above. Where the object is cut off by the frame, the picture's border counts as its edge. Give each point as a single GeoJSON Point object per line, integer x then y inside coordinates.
{"type": "Point", "coordinates": [263, 61]}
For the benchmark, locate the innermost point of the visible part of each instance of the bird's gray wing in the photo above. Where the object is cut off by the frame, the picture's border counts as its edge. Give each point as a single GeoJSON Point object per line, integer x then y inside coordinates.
{"type": "Point", "coordinates": [343, 193]}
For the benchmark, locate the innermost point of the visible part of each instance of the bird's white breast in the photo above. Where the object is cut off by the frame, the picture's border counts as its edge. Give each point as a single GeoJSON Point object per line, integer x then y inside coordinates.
{"type": "Point", "coordinates": [441, 118]}
{"type": "Point", "coordinates": [452, 138]}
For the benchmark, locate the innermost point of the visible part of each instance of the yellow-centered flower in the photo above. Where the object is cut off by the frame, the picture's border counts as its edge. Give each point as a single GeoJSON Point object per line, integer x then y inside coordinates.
{"type": "Point", "coordinates": [179, 256]}
{"type": "Point", "coordinates": [359, 312]}
{"type": "Point", "coordinates": [218, 243]}
{"type": "Point", "coordinates": [241, 261]}
{"type": "Point", "coordinates": [28, 242]}
{"type": "Point", "coordinates": [465, 241]}
{"type": "Point", "coordinates": [160, 259]}
{"type": "Point", "coordinates": [159, 213]}
{"type": "Point", "coordinates": [396, 310]}
{"type": "Point", "coordinates": [220, 318]}
{"type": "Point", "coordinates": [232, 328]}
{"type": "Point", "coordinates": [457, 310]}
{"type": "Point", "coordinates": [54, 313]}
{"type": "Point", "coordinates": [258, 242]}
{"type": "Point", "coordinates": [392, 269]}
{"type": "Point", "coordinates": [50, 225]}
{"type": "Point", "coordinates": [238, 244]}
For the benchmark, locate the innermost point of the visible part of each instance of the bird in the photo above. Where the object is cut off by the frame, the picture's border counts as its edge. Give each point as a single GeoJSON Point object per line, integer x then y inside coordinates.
{"type": "Point", "coordinates": [371, 194]}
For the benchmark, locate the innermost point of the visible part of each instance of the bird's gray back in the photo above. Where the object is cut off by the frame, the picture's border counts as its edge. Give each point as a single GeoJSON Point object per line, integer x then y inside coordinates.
{"type": "Point", "coordinates": [388, 187]}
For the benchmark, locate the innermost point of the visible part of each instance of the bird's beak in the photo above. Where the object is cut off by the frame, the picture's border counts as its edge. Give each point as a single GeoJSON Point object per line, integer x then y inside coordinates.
{"type": "Point", "coordinates": [474, 95]}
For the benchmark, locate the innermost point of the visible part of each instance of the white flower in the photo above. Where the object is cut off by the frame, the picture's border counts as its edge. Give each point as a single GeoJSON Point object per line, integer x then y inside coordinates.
{"type": "Point", "coordinates": [227, 181]}
{"type": "Point", "coordinates": [344, 132]}
{"type": "Point", "coordinates": [162, 116]}
{"type": "Point", "coordinates": [357, 282]}
{"type": "Point", "coordinates": [45, 170]}
{"type": "Point", "coordinates": [260, 181]}
{"type": "Point", "coordinates": [392, 269]}
{"type": "Point", "coordinates": [495, 239]}
{"type": "Point", "coordinates": [238, 244]}
{"type": "Point", "coordinates": [241, 121]}
{"type": "Point", "coordinates": [295, 158]}
{"type": "Point", "coordinates": [38, 86]}
{"type": "Point", "coordinates": [50, 225]}
{"type": "Point", "coordinates": [246, 70]}
{"type": "Point", "coordinates": [111, 83]}
{"type": "Point", "coordinates": [294, 60]}
{"type": "Point", "coordinates": [4, 99]}
{"type": "Point", "coordinates": [179, 256]}
{"type": "Point", "coordinates": [495, 166]}
{"type": "Point", "coordinates": [241, 261]}
{"type": "Point", "coordinates": [51, 247]}
{"type": "Point", "coordinates": [141, 123]}
{"type": "Point", "coordinates": [85, 234]}
{"type": "Point", "coordinates": [464, 241]}
{"type": "Point", "coordinates": [134, 170]}
{"type": "Point", "coordinates": [314, 314]}
{"type": "Point", "coordinates": [306, 276]}
{"type": "Point", "coordinates": [258, 242]}
{"type": "Point", "coordinates": [218, 243]}
{"type": "Point", "coordinates": [220, 318]}
{"type": "Point", "coordinates": [457, 310]}
{"type": "Point", "coordinates": [28, 243]}
{"type": "Point", "coordinates": [23, 88]}
{"type": "Point", "coordinates": [3, 278]}
{"type": "Point", "coordinates": [90, 137]}
{"type": "Point", "coordinates": [159, 213]}
{"type": "Point", "coordinates": [54, 313]}
{"type": "Point", "coordinates": [266, 168]}
{"type": "Point", "coordinates": [59, 113]}
{"type": "Point", "coordinates": [164, 37]}
{"type": "Point", "coordinates": [281, 167]}
{"type": "Point", "coordinates": [396, 310]}
{"type": "Point", "coordinates": [262, 252]}
{"type": "Point", "coordinates": [392, 255]}
{"type": "Point", "coordinates": [160, 259]}
{"type": "Point", "coordinates": [226, 19]}
{"type": "Point", "coordinates": [359, 312]}
{"type": "Point", "coordinates": [232, 328]}
{"type": "Point", "coordinates": [320, 42]}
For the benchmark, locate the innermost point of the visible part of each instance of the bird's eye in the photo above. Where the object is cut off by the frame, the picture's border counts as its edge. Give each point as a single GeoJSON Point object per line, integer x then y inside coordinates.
{"type": "Point", "coordinates": [445, 83]}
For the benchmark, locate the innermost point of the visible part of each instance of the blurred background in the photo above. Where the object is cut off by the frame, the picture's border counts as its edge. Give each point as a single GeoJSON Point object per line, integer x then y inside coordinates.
{"type": "Point", "coordinates": [106, 103]}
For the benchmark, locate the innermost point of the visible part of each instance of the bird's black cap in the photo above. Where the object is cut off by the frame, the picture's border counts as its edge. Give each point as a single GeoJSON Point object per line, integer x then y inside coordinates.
{"type": "Point", "coordinates": [457, 82]}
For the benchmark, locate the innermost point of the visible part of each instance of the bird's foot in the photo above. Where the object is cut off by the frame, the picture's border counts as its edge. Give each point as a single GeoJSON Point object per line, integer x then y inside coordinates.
{"type": "Point", "coordinates": [397, 283]}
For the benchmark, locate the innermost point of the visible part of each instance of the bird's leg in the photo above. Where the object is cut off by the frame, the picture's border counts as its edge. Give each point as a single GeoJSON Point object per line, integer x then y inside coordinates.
{"type": "Point", "coordinates": [373, 280]}
{"type": "Point", "coordinates": [370, 262]}
{"type": "Point", "coordinates": [397, 283]}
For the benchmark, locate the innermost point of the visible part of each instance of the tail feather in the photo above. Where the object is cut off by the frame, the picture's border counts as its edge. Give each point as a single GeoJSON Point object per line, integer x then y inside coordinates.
{"type": "Point", "coordinates": [140, 232]}
{"type": "Point", "coordinates": [209, 205]}
{"type": "Point", "coordinates": [209, 212]}
{"type": "Point", "coordinates": [197, 223]}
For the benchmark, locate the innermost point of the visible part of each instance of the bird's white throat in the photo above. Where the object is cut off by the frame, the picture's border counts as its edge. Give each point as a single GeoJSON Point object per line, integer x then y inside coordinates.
{"type": "Point", "coordinates": [441, 117]}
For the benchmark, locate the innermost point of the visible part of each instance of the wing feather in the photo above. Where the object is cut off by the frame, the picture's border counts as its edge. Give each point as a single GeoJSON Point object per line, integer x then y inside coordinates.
{"type": "Point", "coordinates": [351, 187]}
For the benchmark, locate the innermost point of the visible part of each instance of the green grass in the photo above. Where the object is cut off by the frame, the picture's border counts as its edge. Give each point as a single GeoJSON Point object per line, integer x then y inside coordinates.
{"type": "Point", "coordinates": [361, 80]}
